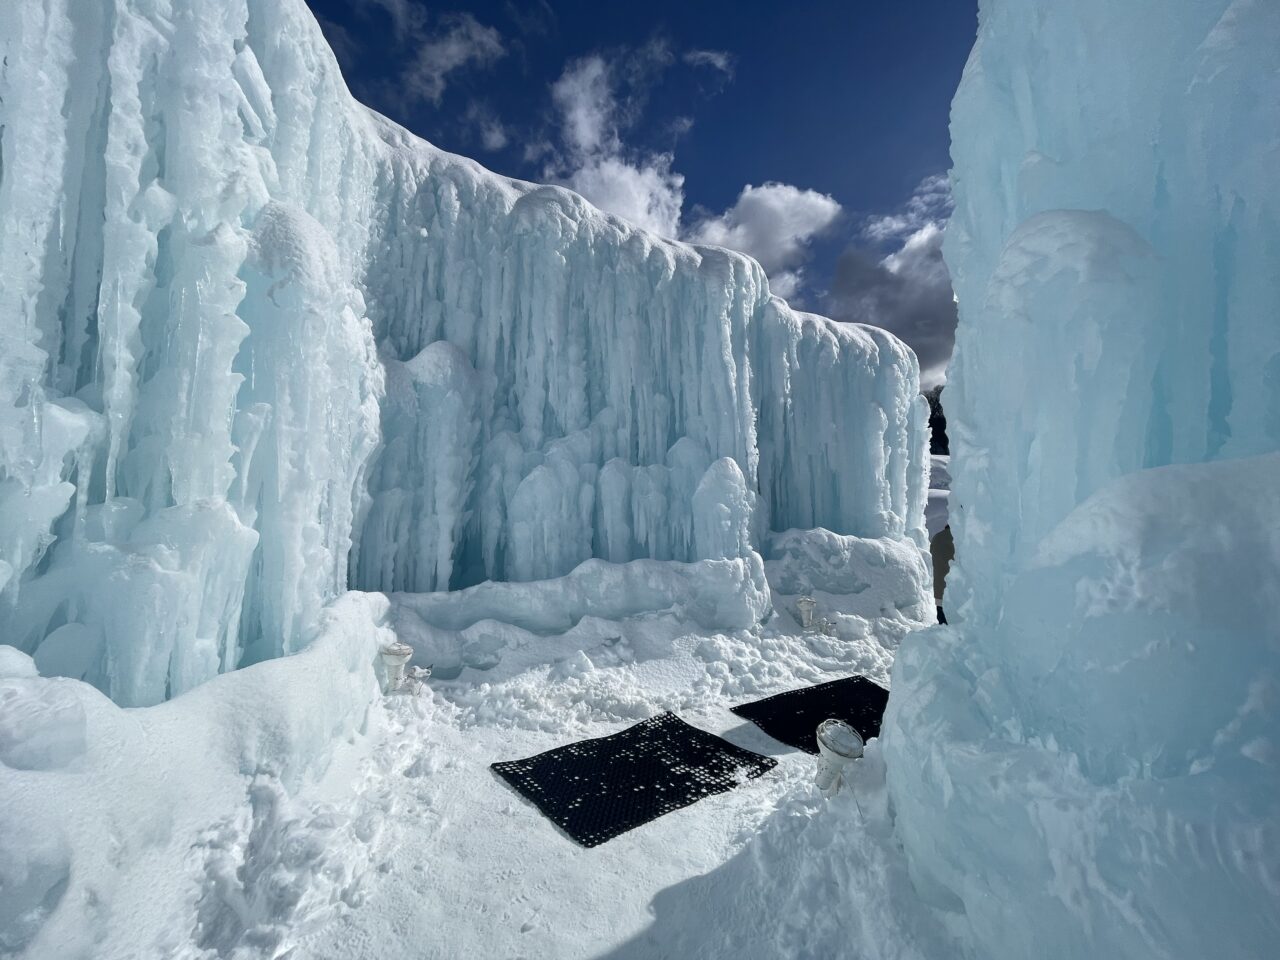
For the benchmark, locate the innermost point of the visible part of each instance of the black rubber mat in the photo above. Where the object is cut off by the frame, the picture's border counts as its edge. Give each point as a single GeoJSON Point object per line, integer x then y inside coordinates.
{"type": "Point", "coordinates": [793, 717]}
{"type": "Point", "coordinates": [597, 789]}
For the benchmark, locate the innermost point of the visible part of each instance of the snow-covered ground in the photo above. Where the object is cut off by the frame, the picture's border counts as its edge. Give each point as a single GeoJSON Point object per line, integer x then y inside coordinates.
{"type": "Point", "coordinates": [289, 806]}
{"type": "Point", "coordinates": [465, 868]}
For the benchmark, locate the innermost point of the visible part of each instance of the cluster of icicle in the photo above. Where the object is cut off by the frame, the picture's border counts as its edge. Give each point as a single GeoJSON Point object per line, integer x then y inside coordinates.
{"type": "Point", "coordinates": [261, 345]}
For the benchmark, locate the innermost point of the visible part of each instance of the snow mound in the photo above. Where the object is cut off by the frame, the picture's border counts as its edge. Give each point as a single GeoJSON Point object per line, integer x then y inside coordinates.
{"type": "Point", "coordinates": [182, 829]}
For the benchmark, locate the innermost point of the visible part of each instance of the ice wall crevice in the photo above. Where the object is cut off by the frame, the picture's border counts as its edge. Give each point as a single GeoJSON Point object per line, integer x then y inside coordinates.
{"type": "Point", "coordinates": [262, 345]}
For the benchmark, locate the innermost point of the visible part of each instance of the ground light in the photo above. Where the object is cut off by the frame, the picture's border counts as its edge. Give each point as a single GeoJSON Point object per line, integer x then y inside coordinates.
{"type": "Point", "coordinates": [838, 746]}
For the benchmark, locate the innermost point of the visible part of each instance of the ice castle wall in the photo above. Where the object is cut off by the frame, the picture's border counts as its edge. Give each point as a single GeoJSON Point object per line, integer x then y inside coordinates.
{"type": "Point", "coordinates": [260, 344]}
{"type": "Point", "coordinates": [1086, 765]}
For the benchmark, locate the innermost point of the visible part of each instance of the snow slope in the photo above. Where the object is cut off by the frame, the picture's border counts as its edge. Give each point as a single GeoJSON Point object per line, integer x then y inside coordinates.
{"type": "Point", "coordinates": [261, 345]}
{"type": "Point", "coordinates": [1085, 764]}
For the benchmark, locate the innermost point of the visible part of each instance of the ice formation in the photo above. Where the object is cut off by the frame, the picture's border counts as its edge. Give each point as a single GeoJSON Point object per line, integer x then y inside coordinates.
{"type": "Point", "coordinates": [261, 345]}
{"type": "Point", "coordinates": [1086, 765]}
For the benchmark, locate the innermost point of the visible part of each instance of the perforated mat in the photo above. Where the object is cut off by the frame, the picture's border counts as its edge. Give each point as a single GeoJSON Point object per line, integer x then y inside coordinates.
{"type": "Point", "coordinates": [597, 789]}
{"type": "Point", "coordinates": [793, 717]}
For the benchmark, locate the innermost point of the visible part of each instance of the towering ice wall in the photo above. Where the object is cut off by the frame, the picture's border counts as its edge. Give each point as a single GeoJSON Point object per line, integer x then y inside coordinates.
{"type": "Point", "coordinates": [257, 345]}
{"type": "Point", "coordinates": [1088, 764]}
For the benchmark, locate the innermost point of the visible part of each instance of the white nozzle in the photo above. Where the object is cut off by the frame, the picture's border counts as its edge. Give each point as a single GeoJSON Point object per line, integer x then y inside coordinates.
{"type": "Point", "coordinates": [838, 746]}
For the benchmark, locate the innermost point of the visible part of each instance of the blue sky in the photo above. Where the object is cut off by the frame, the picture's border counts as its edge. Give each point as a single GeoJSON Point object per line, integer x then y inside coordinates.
{"type": "Point", "coordinates": [811, 135]}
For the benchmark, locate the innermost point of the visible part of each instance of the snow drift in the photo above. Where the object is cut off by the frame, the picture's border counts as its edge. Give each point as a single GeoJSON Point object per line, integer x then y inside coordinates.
{"type": "Point", "coordinates": [1086, 764]}
{"type": "Point", "coordinates": [261, 345]}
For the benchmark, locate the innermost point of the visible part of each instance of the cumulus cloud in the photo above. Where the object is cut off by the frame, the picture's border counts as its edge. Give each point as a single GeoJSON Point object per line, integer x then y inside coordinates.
{"type": "Point", "coordinates": [640, 187]}
{"type": "Point", "coordinates": [649, 194]}
{"type": "Point", "coordinates": [598, 99]}
{"type": "Point", "coordinates": [930, 203]}
{"type": "Point", "coordinates": [773, 223]}
{"type": "Point", "coordinates": [584, 96]}
{"type": "Point", "coordinates": [907, 290]}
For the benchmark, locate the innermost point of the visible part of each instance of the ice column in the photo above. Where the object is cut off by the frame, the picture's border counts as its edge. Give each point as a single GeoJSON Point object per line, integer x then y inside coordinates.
{"type": "Point", "coordinates": [1086, 763]}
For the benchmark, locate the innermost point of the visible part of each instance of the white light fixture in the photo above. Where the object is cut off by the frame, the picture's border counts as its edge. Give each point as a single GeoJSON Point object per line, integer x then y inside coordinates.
{"type": "Point", "coordinates": [805, 607]}
{"type": "Point", "coordinates": [394, 658]}
{"type": "Point", "coordinates": [838, 746]}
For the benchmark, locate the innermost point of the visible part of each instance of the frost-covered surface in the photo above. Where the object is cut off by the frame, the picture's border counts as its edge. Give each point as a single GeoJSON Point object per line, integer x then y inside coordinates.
{"type": "Point", "coordinates": [1085, 765]}
{"type": "Point", "coordinates": [260, 345]}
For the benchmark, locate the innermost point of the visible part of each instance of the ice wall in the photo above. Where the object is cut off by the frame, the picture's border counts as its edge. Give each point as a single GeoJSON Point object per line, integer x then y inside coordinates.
{"type": "Point", "coordinates": [1086, 765]}
{"type": "Point", "coordinates": [259, 344]}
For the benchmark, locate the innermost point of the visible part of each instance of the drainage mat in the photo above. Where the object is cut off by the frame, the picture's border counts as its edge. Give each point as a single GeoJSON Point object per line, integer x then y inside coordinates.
{"type": "Point", "coordinates": [793, 717]}
{"type": "Point", "coordinates": [595, 790]}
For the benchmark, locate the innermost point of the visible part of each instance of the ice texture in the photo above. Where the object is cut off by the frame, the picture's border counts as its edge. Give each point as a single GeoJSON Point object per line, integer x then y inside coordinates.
{"type": "Point", "coordinates": [259, 345]}
{"type": "Point", "coordinates": [1085, 763]}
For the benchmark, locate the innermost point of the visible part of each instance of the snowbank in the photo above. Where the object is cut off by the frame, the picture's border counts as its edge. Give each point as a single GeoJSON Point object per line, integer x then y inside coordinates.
{"type": "Point", "coordinates": [185, 818]}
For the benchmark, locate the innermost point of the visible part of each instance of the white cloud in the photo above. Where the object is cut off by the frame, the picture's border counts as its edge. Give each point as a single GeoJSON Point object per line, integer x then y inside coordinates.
{"type": "Point", "coordinates": [773, 223]}
{"type": "Point", "coordinates": [408, 19]}
{"type": "Point", "coordinates": [920, 257]}
{"type": "Point", "coordinates": [584, 97]}
{"type": "Point", "coordinates": [908, 290]}
{"type": "Point", "coordinates": [648, 194]}
{"type": "Point", "coordinates": [493, 136]}
{"type": "Point", "coordinates": [930, 203]}
{"type": "Point", "coordinates": [716, 59]}
{"type": "Point", "coordinates": [484, 124]}
{"type": "Point", "coordinates": [463, 41]}
{"type": "Point", "coordinates": [641, 188]}
{"type": "Point", "coordinates": [458, 41]}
